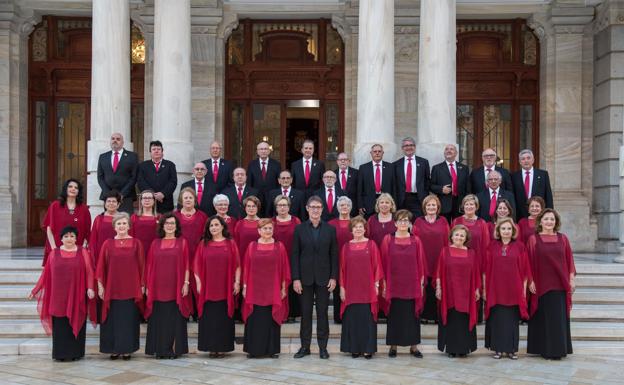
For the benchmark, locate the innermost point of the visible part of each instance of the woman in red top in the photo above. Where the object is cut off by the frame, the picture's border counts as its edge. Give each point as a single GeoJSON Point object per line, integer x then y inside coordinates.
{"type": "Point", "coordinates": [458, 279]}
{"type": "Point", "coordinates": [552, 265]}
{"type": "Point", "coordinates": [382, 223]}
{"type": "Point", "coordinates": [221, 204]}
{"type": "Point", "coordinates": [403, 260]}
{"type": "Point", "coordinates": [121, 285]}
{"type": "Point", "coordinates": [507, 274]}
{"type": "Point", "coordinates": [361, 273]}
{"type": "Point", "coordinates": [168, 302]}
{"type": "Point", "coordinates": [144, 224]}
{"type": "Point", "coordinates": [68, 210]}
{"type": "Point", "coordinates": [103, 224]}
{"type": "Point", "coordinates": [343, 235]}
{"type": "Point", "coordinates": [503, 210]}
{"type": "Point", "coordinates": [217, 274]}
{"type": "Point", "coordinates": [527, 225]}
{"type": "Point", "coordinates": [433, 231]}
{"type": "Point", "coordinates": [61, 290]}
{"type": "Point", "coordinates": [284, 226]}
{"type": "Point", "coordinates": [247, 228]}
{"type": "Point", "coordinates": [266, 276]}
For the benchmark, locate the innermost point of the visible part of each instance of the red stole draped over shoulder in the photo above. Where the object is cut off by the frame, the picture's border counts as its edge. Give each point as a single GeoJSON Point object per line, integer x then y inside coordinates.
{"type": "Point", "coordinates": [459, 275]}
{"type": "Point", "coordinates": [403, 261]}
{"type": "Point", "coordinates": [120, 268]}
{"type": "Point", "coordinates": [505, 276]}
{"type": "Point", "coordinates": [377, 230]}
{"type": "Point", "coordinates": [266, 267]}
{"type": "Point", "coordinates": [145, 229]}
{"type": "Point", "coordinates": [552, 263]}
{"type": "Point", "coordinates": [360, 268]}
{"type": "Point", "coordinates": [246, 232]}
{"type": "Point", "coordinates": [283, 231]}
{"type": "Point", "coordinates": [167, 264]}
{"type": "Point", "coordinates": [102, 230]}
{"type": "Point", "coordinates": [434, 237]}
{"type": "Point", "coordinates": [62, 289]}
{"type": "Point", "coordinates": [59, 217]}
{"type": "Point", "coordinates": [479, 237]}
{"type": "Point", "coordinates": [215, 264]}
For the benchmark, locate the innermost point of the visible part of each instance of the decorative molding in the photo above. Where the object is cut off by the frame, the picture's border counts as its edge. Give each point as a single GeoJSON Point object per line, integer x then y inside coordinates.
{"type": "Point", "coordinates": [342, 26]}
{"type": "Point", "coordinates": [539, 26]}
{"type": "Point", "coordinates": [229, 23]}
{"type": "Point", "coordinates": [607, 14]}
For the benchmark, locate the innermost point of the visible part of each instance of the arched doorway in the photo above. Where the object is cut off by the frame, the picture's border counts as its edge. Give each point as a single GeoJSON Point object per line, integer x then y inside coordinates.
{"type": "Point", "coordinates": [284, 84]}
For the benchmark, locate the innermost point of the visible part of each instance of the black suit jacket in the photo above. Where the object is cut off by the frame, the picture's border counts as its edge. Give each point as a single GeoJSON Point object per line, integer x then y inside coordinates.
{"type": "Point", "coordinates": [327, 214]}
{"type": "Point", "coordinates": [208, 193]}
{"type": "Point", "coordinates": [441, 176]}
{"type": "Point", "coordinates": [366, 185]}
{"type": "Point", "coordinates": [311, 261]}
{"type": "Point", "coordinates": [164, 181]}
{"type": "Point", "coordinates": [476, 181]}
{"type": "Point", "coordinates": [122, 180]}
{"type": "Point", "coordinates": [317, 169]}
{"type": "Point", "coordinates": [484, 202]}
{"type": "Point", "coordinates": [224, 177]}
{"type": "Point", "coordinates": [541, 187]}
{"type": "Point", "coordinates": [352, 186]}
{"type": "Point", "coordinates": [254, 178]}
{"type": "Point", "coordinates": [297, 203]}
{"type": "Point", "coordinates": [423, 179]}
{"type": "Point", "coordinates": [236, 208]}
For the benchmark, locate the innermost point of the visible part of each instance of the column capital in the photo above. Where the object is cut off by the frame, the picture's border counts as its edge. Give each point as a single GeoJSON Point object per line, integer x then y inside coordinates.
{"type": "Point", "coordinates": [610, 12]}
{"type": "Point", "coordinates": [570, 19]}
{"type": "Point", "coordinates": [228, 24]}
{"type": "Point", "coordinates": [342, 25]}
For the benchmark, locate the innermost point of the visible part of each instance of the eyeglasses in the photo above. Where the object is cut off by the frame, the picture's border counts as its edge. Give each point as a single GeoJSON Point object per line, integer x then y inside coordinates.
{"type": "Point", "coordinates": [170, 223]}
{"type": "Point", "coordinates": [200, 169]}
{"type": "Point", "coordinates": [342, 159]}
{"type": "Point", "coordinates": [403, 221]}
{"type": "Point", "coordinates": [315, 207]}
{"type": "Point", "coordinates": [283, 205]}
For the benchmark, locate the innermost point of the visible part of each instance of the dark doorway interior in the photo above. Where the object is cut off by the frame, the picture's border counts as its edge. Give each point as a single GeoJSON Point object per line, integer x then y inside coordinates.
{"type": "Point", "coordinates": [298, 130]}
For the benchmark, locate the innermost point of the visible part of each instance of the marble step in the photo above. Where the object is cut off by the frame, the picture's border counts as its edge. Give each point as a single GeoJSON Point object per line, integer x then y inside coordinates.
{"type": "Point", "coordinates": [596, 295]}
{"type": "Point", "coordinates": [613, 281]}
{"type": "Point", "coordinates": [20, 264]}
{"type": "Point", "coordinates": [20, 277]}
{"type": "Point", "coordinates": [14, 292]}
{"type": "Point", "coordinates": [600, 268]}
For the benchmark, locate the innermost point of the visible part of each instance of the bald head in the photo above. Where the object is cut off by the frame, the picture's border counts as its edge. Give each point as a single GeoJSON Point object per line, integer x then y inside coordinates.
{"type": "Point", "coordinates": [116, 141]}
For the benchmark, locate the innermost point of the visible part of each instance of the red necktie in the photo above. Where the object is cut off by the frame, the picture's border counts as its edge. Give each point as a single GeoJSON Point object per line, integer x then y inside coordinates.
{"type": "Point", "coordinates": [307, 173]}
{"type": "Point", "coordinates": [330, 200]}
{"type": "Point", "coordinates": [240, 194]}
{"type": "Point", "coordinates": [343, 180]}
{"type": "Point", "coordinates": [453, 179]}
{"type": "Point", "coordinates": [157, 165]}
{"type": "Point", "coordinates": [263, 170]}
{"type": "Point", "coordinates": [115, 161]}
{"type": "Point", "coordinates": [527, 184]}
{"type": "Point", "coordinates": [285, 192]}
{"type": "Point", "coordinates": [215, 171]}
{"type": "Point", "coordinates": [408, 176]}
{"type": "Point", "coordinates": [493, 204]}
{"type": "Point", "coordinates": [488, 173]}
{"type": "Point", "coordinates": [200, 192]}
{"type": "Point", "coordinates": [377, 179]}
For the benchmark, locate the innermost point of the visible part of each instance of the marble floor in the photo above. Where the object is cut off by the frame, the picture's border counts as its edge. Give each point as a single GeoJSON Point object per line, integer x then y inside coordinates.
{"type": "Point", "coordinates": [339, 369]}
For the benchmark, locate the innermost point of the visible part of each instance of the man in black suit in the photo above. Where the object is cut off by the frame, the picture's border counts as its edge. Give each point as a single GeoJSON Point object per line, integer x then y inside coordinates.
{"type": "Point", "coordinates": [202, 189]}
{"type": "Point", "coordinates": [449, 181]}
{"type": "Point", "coordinates": [374, 178]}
{"type": "Point", "coordinates": [238, 192]}
{"type": "Point", "coordinates": [314, 267]}
{"type": "Point", "coordinates": [415, 170]}
{"type": "Point", "coordinates": [329, 194]}
{"type": "Point", "coordinates": [297, 198]}
{"type": "Point", "coordinates": [307, 172]}
{"type": "Point", "coordinates": [530, 181]}
{"type": "Point", "coordinates": [159, 175]}
{"type": "Point", "coordinates": [220, 171]}
{"type": "Point", "coordinates": [488, 199]}
{"type": "Point", "coordinates": [347, 179]}
{"type": "Point", "coordinates": [263, 173]}
{"type": "Point", "coordinates": [117, 170]}
{"type": "Point", "coordinates": [477, 181]}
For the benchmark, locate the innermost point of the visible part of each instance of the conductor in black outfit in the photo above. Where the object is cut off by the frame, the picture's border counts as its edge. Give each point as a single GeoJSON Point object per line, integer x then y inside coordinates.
{"type": "Point", "coordinates": [117, 170]}
{"type": "Point", "coordinates": [159, 175]}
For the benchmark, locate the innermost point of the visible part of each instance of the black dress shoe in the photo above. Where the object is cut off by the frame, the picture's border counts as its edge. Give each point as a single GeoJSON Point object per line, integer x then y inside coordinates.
{"type": "Point", "coordinates": [126, 357]}
{"type": "Point", "coordinates": [355, 355]}
{"type": "Point", "coordinates": [368, 356]}
{"type": "Point", "coordinates": [302, 352]}
{"type": "Point", "coordinates": [392, 353]}
{"type": "Point", "coordinates": [416, 353]}
{"type": "Point", "coordinates": [323, 354]}
{"type": "Point", "coordinates": [114, 356]}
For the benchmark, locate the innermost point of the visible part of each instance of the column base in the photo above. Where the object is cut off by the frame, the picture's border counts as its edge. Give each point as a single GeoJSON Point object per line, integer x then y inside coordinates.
{"type": "Point", "coordinates": [361, 152]}
{"type": "Point", "coordinates": [576, 221]}
{"type": "Point", "coordinates": [433, 152]}
{"type": "Point", "coordinates": [14, 232]}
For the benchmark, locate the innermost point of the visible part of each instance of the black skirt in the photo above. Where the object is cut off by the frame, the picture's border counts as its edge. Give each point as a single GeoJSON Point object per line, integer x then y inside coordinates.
{"type": "Point", "coordinates": [294, 309]}
{"type": "Point", "coordinates": [216, 329]}
{"type": "Point", "coordinates": [359, 330]}
{"type": "Point", "coordinates": [430, 310]}
{"type": "Point", "coordinates": [337, 303]}
{"type": "Point", "coordinates": [549, 328]}
{"type": "Point", "coordinates": [262, 333]}
{"type": "Point", "coordinates": [64, 345]}
{"type": "Point", "coordinates": [166, 331]}
{"type": "Point", "coordinates": [502, 329]}
{"type": "Point", "coordinates": [119, 334]}
{"type": "Point", "coordinates": [455, 337]}
{"type": "Point", "coordinates": [403, 328]}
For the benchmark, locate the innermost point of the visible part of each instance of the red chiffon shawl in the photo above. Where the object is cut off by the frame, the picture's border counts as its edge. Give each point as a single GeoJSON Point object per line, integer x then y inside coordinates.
{"type": "Point", "coordinates": [552, 263]}
{"type": "Point", "coordinates": [62, 289]}
{"type": "Point", "coordinates": [459, 275]}
{"type": "Point", "coordinates": [192, 228]}
{"type": "Point", "coordinates": [167, 264]}
{"type": "Point", "coordinates": [231, 225]}
{"type": "Point", "coordinates": [58, 217]}
{"type": "Point", "coordinates": [283, 231]}
{"type": "Point", "coordinates": [360, 268]}
{"type": "Point", "coordinates": [266, 267]}
{"type": "Point", "coordinates": [377, 230]}
{"type": "Point", "coordinates": [403, 261]}
{"type": "Point", "coordinates": [479, 237]}
{"type": "Point", "coordinates": [505, 276]}
{"type": "Point", "coordinates": [145, 229]}
{"type": "Point", "coordinates": [120, 268]}
{"type": "Point", "coordinates": [215, 265]}
{"type": "Point", "coordinates": [102, 230]}
{"type": "Point", "coordinates": [434, 237]}
{"type": "Point", "coordinates": [527, 228]}
{"type": "Point", "coordinates": [246, 231]}
{"type": "Point", "coordinates": [343, 234]}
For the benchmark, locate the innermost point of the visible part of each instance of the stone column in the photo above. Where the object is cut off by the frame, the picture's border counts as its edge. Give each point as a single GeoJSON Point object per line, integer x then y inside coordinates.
{"type": "Point", "coordinates": [110, 85]}
{"type": "Point", "coordinates": [375, 85]}
{"type": "Point", "coordinates": [172, 83]}
{"type": "Point", "coordinates": [436, 79]}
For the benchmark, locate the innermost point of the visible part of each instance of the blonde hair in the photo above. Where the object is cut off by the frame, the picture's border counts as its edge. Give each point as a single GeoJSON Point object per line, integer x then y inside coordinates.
{"type": "Point", "coordinates": [429, 198]}
{"type": "Point", "coordinates": [470, 197]}
{"type": "Point", "coordinates": [187, 190]}
{"type": "Point", "coordinates": [387, 197]}
{"type": "Point", "coordinates": [514, 230]}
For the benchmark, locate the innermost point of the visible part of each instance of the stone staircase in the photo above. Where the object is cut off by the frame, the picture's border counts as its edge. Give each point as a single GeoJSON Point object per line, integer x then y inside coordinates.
{"type": "Point", "coordinates": [597, 315]}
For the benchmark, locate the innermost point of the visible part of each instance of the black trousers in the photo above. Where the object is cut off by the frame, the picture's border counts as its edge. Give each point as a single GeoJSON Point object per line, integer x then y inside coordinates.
{"type": "Point", "coordinates": [413, 204]}
{"type": "Point", "coordinates": [321, 294]}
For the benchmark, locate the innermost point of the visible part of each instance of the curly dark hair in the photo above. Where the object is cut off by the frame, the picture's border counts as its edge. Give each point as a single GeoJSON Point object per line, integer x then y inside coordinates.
{"type": "Point", "coordinates": [161, 225]}
{"type": "Point", "coordinates": [62, 198]}
{"type": "Point", "coordinates": [207, 237]}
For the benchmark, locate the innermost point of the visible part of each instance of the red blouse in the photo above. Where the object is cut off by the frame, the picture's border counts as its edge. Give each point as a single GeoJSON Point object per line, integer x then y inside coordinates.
{"type": "Point", "coordinates": [246, 231]}
{"type": "Point", "coordinates": [527, 228]}
{"type": "Point", "coordinates": [434, 236]}
{"type": "Point", "coordinates": [145, 229]}
{"type": "Point", "coordinates": [102, 230]}
{"type": "Point", "coordinates": [283, 231]}
{"type": "Point", "coordinates": [59, 217]}
{"type": "Point", "coordinates": [378, 230]}
{"type": "Point", "coordinates": [479, 237]}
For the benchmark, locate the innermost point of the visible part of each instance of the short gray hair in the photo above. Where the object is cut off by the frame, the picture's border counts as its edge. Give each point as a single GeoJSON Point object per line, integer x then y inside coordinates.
{"type": "Point", "coordinates": [408, 139]}
{"type": "Point", "coordinates": [220, 198]}
{"type": "Point", "coordinates": [524, 152]}
{"type": "Point", "coordinates": [346, 199]}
